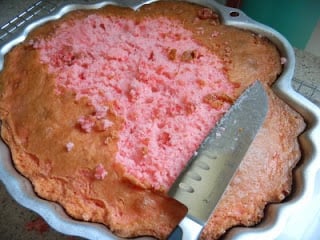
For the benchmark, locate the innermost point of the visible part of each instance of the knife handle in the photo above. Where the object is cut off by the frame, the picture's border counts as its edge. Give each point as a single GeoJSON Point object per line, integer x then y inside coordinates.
{"type": "Point", "coordinates": [187, 229]}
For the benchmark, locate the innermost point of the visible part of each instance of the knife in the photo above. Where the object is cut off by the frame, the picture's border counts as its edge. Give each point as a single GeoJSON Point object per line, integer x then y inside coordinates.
{"type": "Point", "coordinates": [203, 181]}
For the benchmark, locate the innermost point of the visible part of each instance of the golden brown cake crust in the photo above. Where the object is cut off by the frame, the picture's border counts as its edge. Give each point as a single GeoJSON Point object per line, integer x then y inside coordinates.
{"type": "Point", "coordinates": [37, 143]}
{"type": "Point", "coordinates": [35, 124]}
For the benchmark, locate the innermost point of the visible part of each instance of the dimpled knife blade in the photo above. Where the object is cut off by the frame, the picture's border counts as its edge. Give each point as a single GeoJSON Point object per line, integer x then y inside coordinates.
{"type": "Point", "coordinates": [208, 173]}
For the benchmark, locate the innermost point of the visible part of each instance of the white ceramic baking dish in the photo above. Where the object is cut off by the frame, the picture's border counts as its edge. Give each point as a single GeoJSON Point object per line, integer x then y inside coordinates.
{"type": "Point", "coordinates": [291, 219]}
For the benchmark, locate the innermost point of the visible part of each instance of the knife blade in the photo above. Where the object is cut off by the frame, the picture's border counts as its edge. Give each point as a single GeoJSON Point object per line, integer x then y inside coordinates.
{"type": "Point", "coordinates": [203, 181]}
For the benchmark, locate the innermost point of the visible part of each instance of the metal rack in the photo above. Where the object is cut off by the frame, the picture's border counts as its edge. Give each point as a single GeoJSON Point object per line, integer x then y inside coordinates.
{"type": "Point", "coordinates": [18, 23]}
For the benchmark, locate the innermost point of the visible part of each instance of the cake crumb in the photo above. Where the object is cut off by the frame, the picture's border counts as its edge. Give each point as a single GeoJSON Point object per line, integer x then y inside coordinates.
{"type": "Point", "coordinates": [100, 173]}
{"type": "Point", "coordinates": [106, 124]}
{"type": "Point", "coordinates": [172, 54]}
{"type": "Point", "coordinates": [86, 124]}
{"type": "Point", "coordinates": [205, 13]}
{"type": "Point", "coordinates": [283, 60]}
{"type": "Point", "coordinates": [101, 111]}
{"type": "Point", "coordinates": [69, 146]}
{"type": "Point", "coordinates": [37, 225]}
{"type": "Point", "coordinates": [215, 34]}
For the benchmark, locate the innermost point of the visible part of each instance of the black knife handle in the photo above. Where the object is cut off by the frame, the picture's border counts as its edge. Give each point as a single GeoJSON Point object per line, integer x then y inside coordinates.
{"type": "Point", "coordinates": [188, 229]}
{"type": "Point", "coordinates": [176, 234]}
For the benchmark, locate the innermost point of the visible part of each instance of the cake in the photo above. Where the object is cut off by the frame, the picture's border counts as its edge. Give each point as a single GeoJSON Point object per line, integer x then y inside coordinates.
{"type": "Point", "coordinates": [102, 109]}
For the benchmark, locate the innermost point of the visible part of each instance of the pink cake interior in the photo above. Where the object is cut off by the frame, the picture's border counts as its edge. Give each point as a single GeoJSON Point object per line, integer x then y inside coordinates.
{"type": "Point", "coordinates": [157, 75]}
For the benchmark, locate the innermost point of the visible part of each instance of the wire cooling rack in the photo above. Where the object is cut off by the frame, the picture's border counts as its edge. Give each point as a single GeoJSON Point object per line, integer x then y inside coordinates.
{"type": "Point", "coordinates": [44, 8]}
{"type": "Point", "coordinates": [18, 23]}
